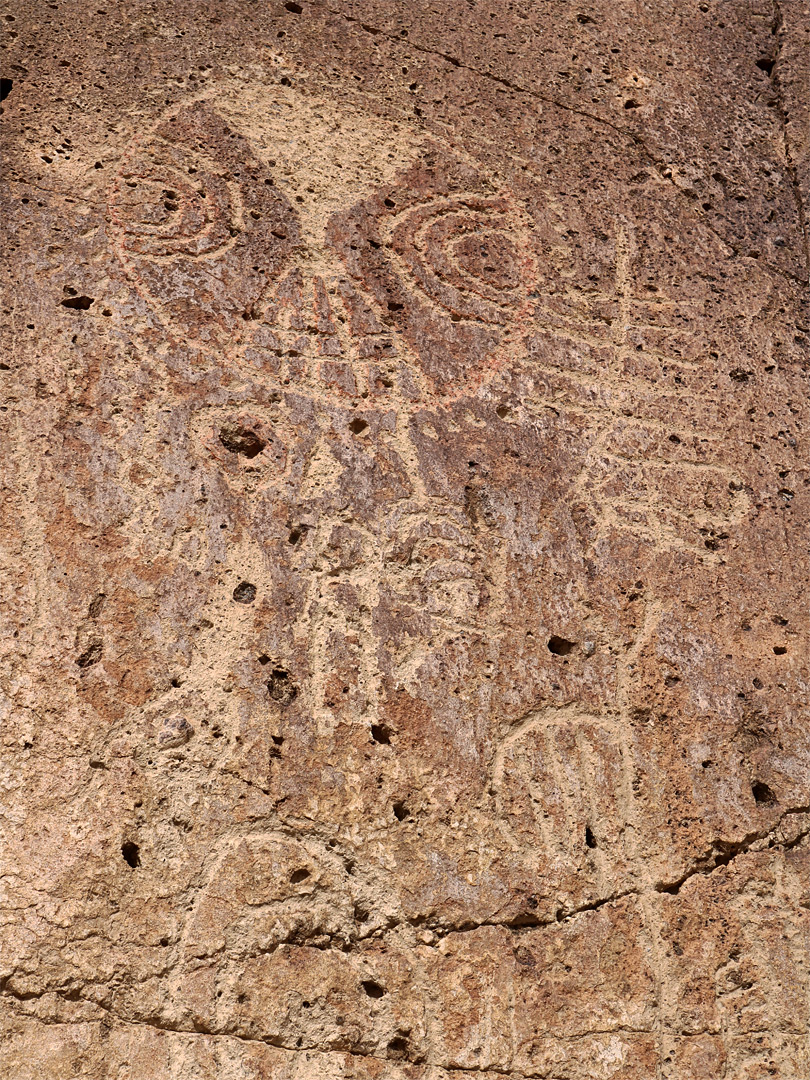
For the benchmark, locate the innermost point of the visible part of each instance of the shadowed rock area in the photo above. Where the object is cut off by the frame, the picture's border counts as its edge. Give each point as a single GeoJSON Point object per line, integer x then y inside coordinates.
{"type": "Point", "coordinates": [404, 656]}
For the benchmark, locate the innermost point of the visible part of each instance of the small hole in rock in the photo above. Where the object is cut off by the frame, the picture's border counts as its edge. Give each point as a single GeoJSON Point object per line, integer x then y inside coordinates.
{"type": "Point", "coordinates": [263, 659]}
{"type": "Point", "coordinates": [358, 426]}
{"type": "Point", "coordinates": [763, 794]}
{"type": "Point", "coordinates": [590, 840]}
{"type": "Point", "coordinates": [766, 64]}
{"type": "Point", "coordinates": [297, 876]}
{"type": "Point", "coordinates": [560, 646]}
{"type": "Point", "coordinates": [5, 88]}
{"type": "Point", "coordinates": [389, 203]}
{"type": "Point", "coordinates": [281, 687]}
{"type": "Point", "coordinates": [631, 104]}
{"type": "Point", "coordinates": [398, 1048]}
{"type": "Point", "coordinates": [131, 853]}
{"type": "Point", "coordinates": [95, 605]}
{"type": "Point", "coordinates": [78, 303]}
{"type": "Point", "coordinates": [372, 989]}
{"type": "Point", "coordinates": [502, 411]}
{"type": "Point", "coordinates": [394, 306]}
{"type": "Point", "coordinates": [241, 440]}
{"type": "Point", "coordinates": [244, 593]}
{"type": "Point", "coordinates": [380, 734]}
{"type": "Point", "coordinates": [91, 655]}
{"type": "Point", "coordinates": [400, 811]}
{"type": "Point", "coordinates": [296, 9]}
{"type": "Point", "coordinates": [779, 650]}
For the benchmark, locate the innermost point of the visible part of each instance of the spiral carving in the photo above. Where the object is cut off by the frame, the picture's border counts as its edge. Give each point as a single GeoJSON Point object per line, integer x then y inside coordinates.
{"type": "Point", "coordinates": [462, 254]}
{"type": "Point", "coordinates": [199, 224]}
{"type": "Point", "coordinates": [172, 202]}
{"type": "Point", "coordinates": [429, 273]}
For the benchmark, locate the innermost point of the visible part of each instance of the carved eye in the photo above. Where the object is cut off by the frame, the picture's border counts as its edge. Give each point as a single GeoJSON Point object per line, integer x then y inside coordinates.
{"type": "Point", "coordinates": [173, 202]}
{"type": "Point", "coordinates": [465, 253]}
{"type": "Point", "coordinates": [199, 226]}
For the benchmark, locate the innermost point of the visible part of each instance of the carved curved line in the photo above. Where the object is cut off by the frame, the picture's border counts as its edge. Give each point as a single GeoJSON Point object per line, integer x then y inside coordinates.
{"type": "Point", "coordinates": [208, 168]}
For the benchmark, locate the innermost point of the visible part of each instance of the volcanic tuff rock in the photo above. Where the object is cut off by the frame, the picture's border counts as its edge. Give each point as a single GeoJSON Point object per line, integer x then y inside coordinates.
{"type": "Point", "coordinates": [405, 464]}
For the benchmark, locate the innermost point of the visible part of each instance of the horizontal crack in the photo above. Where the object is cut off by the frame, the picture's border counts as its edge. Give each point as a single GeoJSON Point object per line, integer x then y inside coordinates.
{"type": "Point", "coordinates": [267, 1040]}
{"type": "Point", "coordinates": [724, 852]}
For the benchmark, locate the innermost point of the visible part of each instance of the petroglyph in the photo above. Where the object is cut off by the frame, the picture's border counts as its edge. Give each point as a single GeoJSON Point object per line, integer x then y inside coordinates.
{"type": "Point", "coordinates": [402, 658]}
{"type": "Point", "coordinates": [331, 290]}
{"type": "Point", "coordinates": [429, 284]}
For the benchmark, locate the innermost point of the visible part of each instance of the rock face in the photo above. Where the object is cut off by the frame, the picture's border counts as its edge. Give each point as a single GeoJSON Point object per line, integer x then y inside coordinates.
{"type": "Point", "coordinates": [405, 659]}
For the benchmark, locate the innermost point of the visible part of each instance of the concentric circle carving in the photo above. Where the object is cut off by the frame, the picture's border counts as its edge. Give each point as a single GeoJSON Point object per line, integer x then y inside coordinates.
{"type": "Point", "coordinates": [464, 254]}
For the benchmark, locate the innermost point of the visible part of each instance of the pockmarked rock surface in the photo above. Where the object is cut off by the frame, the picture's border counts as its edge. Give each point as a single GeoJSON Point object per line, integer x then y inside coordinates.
{"type": "Point", "coordinates": [404, 543]}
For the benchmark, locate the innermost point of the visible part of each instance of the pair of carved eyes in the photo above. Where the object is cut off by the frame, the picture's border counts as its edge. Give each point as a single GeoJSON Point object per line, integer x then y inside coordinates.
{"type": "Point", "coordinates": [461, 252]}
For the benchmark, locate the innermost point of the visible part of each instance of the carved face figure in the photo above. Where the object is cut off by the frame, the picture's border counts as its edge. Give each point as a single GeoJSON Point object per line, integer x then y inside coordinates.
{"type": "Point", "coordinates": [357, 260]}
{"type": "Point", "coordinates": [369, 298]}
{"type": "Point", "coordinates": [364, 262]}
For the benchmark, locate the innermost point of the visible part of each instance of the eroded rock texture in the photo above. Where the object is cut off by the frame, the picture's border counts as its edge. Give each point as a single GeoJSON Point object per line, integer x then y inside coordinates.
{"type": "Point", "coordinates": [405, 453]}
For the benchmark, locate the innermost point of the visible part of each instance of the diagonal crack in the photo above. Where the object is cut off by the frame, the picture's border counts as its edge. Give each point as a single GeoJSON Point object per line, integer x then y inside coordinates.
{"type": "Point", "coordinates": [721, 853]}
{"type": "Point", "coordinates": [662, 166]}
{"type": "Point", "coordinates": [525, 921]}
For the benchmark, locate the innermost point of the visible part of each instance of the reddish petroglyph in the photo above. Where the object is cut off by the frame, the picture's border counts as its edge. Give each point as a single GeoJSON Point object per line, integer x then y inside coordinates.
{"type": "Point", "coordinates": [430, 284]}
{"type": "Point", "coordinates": [425, 277]}
{"type": "Point", "coordinates": [192, 217]}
